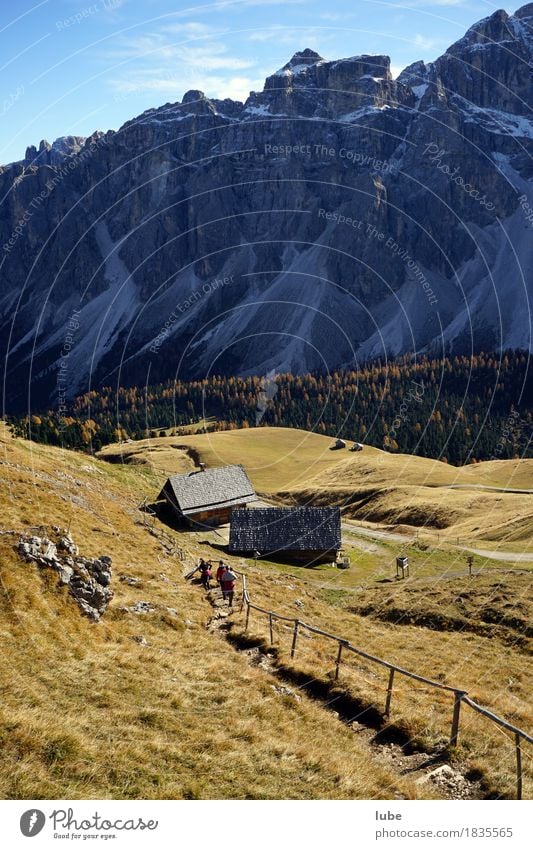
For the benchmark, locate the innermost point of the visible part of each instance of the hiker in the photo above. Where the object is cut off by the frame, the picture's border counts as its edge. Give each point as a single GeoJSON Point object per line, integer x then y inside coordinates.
{"type": "Point", "coordinates": [220, 571]}
{"type": "Point", "coordinates": [227, 584]}
{"type": "Point", "coordinates": [205, 574]}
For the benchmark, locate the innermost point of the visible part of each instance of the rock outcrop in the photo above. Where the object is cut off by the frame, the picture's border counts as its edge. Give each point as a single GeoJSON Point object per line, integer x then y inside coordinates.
{"type": "Point", "coordinates": [88, 580]}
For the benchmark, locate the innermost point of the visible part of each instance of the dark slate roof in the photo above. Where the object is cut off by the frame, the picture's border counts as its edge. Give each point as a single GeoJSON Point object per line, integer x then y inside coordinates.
{"type": "Point", "coordinates": [212, 488]}
{"type": "Point", "coordinates": [285, 529]}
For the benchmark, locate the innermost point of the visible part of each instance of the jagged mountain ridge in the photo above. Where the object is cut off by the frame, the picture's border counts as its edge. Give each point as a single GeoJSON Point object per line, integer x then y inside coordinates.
{"type": "Point", "coordinates": [205, 236]}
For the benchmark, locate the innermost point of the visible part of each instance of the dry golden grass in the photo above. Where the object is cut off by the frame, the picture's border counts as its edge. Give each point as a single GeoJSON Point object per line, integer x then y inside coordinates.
{"type": "Point", "coordinates": [511, 474]}
{"type": "Point", "coordinates": [87, 711]}
{"type": "Point", "coordinates": [498, 604]}
{"type": "Point", "coordinates": [372, 485]}
{"type": "Point", "coordinates": [274, 457]}
{"type": "Point", "coordinates": [494, 669]}
{"type": "Point", "coordinates": [465, 513]}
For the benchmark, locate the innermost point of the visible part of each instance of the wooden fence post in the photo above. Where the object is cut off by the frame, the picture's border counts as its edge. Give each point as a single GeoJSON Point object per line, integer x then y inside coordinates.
{"type": "Point", "coordinates": [295, 636]}
{"type": "Point", "coordinates": [458, 697]}
{"type": "Point", "coordinates": [247, 615]}
{"type": "Point", "coordinates": [338, 661]}
{"type": "Point", "coordinates": [271, 629]}
{"type": "Point", "coordinates": [518, 767]}
{"type": "Point", "coordinates": [389, 692]}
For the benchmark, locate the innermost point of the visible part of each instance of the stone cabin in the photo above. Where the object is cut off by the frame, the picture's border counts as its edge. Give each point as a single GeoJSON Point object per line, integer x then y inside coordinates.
{"type": "Point", "coordinates": [207, 496]}
{"type": "Point", "coordinates": [307, 535]}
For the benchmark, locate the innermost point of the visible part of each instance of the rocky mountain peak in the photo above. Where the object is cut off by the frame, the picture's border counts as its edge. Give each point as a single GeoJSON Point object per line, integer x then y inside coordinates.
{"type": "Point", "coordinates": [338, 137]}
{"type": "Point", "coordinates": [414, 75]}
{"type": "Point", "coordinates": [492, 28]}
{"type": "Point", "coordinates": [193, 96]}
{"type": "Point", "coordinates": [309, 85]}
{"type": "Point", "coordinates": [524, 12]}
{"type": "Point", "coordinates": [303, 57]}
{"type": "Point", "coordinates": [495, 30]}
{"type": "Point", "coordinates": [195, 102]}
{"type": "Point", "coordinates": [53, 154]}
{"type": "Point", "coordinates": [490, 67]}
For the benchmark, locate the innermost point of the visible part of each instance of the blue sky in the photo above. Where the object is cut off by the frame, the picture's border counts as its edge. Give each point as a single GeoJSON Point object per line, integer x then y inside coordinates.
{"type": "Point", "coordinates": [74, 66]}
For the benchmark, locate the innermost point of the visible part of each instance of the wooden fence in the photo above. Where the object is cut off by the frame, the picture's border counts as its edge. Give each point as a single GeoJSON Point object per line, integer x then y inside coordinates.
{"type": "Point", "coordinates": [459, 696]}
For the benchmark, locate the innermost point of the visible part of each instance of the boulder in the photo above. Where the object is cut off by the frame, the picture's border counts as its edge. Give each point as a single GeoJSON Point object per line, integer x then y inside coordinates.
{"type": "Point", "coordinates": [88, 580]}
{"type": "Point", "coordinates": [66, 543]}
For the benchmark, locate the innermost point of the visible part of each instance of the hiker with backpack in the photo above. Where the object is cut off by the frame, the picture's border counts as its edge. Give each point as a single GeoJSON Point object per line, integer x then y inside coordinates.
{"type": "Point", "coordinates": [227, 584]}
{"type": "Point", "coordinates": [205, 574]}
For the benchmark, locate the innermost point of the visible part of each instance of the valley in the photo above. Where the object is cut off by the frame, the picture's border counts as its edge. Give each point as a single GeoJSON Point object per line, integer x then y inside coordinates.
{"type": "Point", "coordinates": [139, 694]}
{"type": "Point", "coordinates": [414, 497]}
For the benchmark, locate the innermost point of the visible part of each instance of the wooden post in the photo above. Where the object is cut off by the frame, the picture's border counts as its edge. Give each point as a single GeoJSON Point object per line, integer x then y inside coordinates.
{"type": "Point", "coordinates": [518, 767]}
{"type": "Point", "coordinates": [271, 629]}
{"type": "Point", "coordinates": [389, 692]}
{"type": "Point", "coordinates": [458, 694]}
{"type": "Point", "coordinates": [338, 661]}
{"type": "Point", "coordinates": [247, 616]}
{"type": "Point", "coordinates": [295, 636]}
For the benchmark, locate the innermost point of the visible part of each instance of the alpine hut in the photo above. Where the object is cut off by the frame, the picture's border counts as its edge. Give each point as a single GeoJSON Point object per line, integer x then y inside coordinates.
{"type": "Point", "coordinates": [207, 496]}
{"type": "Point", "coordinates": [307, 535]}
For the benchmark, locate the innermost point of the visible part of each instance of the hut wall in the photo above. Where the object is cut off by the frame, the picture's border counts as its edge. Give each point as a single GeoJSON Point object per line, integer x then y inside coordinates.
{"type": "Point", "coordinates": [217, 516]}
{"type": "Point", "coordinates": [302, 557]}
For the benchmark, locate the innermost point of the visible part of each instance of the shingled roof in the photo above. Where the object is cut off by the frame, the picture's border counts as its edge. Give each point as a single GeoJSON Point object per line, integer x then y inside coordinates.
{"type": "Point", "coordinates": [209, 489]}
{"type": "Point", "coordinates": [285, 529]}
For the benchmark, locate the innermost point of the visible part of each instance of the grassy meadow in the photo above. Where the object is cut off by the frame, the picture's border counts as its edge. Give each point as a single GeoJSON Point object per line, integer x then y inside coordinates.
{"type": "Point", "coordinates": [161, 705]}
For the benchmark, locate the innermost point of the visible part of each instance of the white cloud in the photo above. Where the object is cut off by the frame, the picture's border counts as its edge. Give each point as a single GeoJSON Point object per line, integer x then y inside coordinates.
{"type": "Point", "coordinates": [237, 88]}
{"type": "Point", "coordinates": [194, 30]}
{"type": "Point", "coordinates": [335, 17]}
{"type": "Point", "coordinates": [196, 47]}
{"type": "Point", "coordinates": [425, 43]}
{"type": "Point", "coordinates": [211, 57]}
{"type": "Point", "coordinates": [228, 5]}
{"type": "Point", "coordinates": [174, 86]}
{"type": "Point", "coordinates": [294, 39]}
{"type": "Point", "coordinates": [429, 3]}
{"type": "Point", "coordinates": [416, 4]}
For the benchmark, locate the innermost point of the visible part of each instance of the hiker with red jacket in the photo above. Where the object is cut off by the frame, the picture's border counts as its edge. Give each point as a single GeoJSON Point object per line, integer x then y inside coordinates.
{"type": "Point", "coordinates": [205, 574]}
{"type": "Point", "coordinates": [227, 584]}
{"type": "Point", "coordinates": [220, 571]}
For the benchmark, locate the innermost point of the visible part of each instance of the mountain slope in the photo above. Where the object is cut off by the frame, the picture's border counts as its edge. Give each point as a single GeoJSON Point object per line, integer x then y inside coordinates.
{"type": "Point", "coordinates": [339, 214]}
{"type": "Point", "coordinates": [153, 702]}
{"type": "Point", "coordinates": [149, 704]}
{"type": "Point", "coordinates": [477, 502]}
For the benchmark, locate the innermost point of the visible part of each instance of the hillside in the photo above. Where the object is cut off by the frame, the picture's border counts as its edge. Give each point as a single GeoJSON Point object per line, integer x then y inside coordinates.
{"type": "Point", "coordinates": [274, 457]}
{"type": "Point", "coordinates": [149, 701]}
{"type": "Point", "coordinates": [459, 409]}
{"type": "Point", "coordinates": [141, 705]}
{"type": "Point", "coordinates": [372, 486]}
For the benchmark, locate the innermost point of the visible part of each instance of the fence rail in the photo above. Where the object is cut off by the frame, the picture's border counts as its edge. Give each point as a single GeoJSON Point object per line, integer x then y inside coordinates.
{"type": "Point", "coordinates": [460, 696]}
